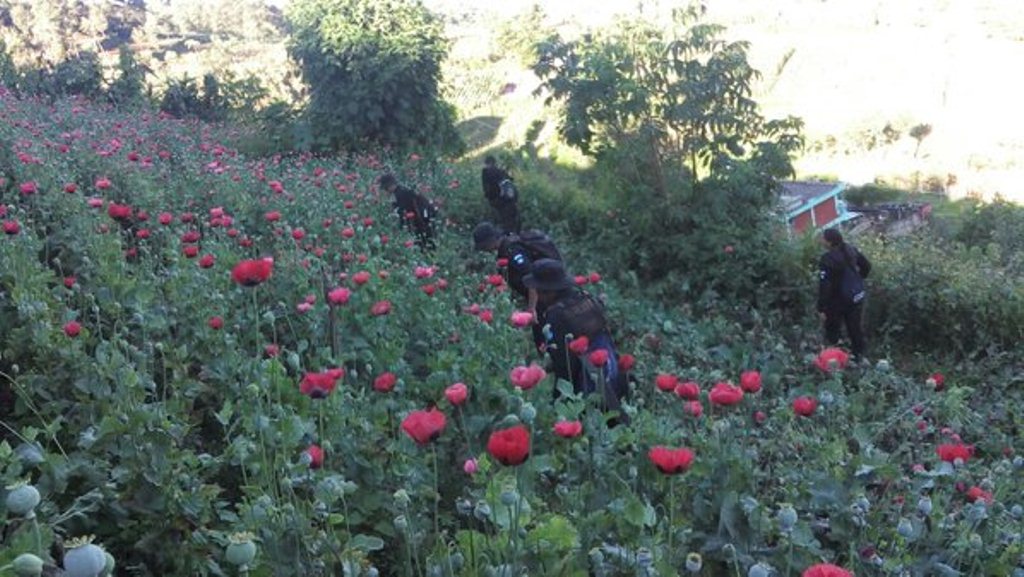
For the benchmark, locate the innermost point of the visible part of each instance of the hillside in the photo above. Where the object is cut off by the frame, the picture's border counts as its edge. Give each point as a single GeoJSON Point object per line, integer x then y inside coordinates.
{"type": "Point", "coordinates": [848, 68]}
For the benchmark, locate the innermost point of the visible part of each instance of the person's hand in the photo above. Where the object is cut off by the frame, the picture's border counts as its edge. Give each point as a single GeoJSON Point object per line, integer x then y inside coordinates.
{"type": "Point", "coordinates": [533, 315]}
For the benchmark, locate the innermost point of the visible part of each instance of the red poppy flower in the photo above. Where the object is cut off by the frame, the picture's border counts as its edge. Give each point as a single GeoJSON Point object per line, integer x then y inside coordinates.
{"type": "Point", "coordinates": [424, 426]}
{"type": "Point", "coordinates": [385, 382]}
{"type": "Point", "coordinates": [626, 361]}
{"type": "Point", "coordinates": [298, 234]}
{"type": "Point", "coordinates": [103, 183]}
{"type": "Point", "coordinates": [216, 323]}
{"type": "Point", "coordinates": [580, 280]}
{"type": "Point", "coordinates": [595, 278]}
{"type": "Point", "coordinates": [28, 188]}
{"type": "Point", "coordinates": [568, 429]}
{"type": "Point", "coordinates": [380, 308]}
{"type": "Point", "coordinates": [977, 493]}
{"type": "Point", "coordinates": [339, 296]}
{"type": "Point", "coordinates": [938, 381]}
{"type": "Point", "coordinates": [319, 385]}
{"type": "Point", "coordinates": [190, 251]}
{"type": "Point", "coordinates": [760, 417]}
{"type": "Point", "coordinates": [360, 278]}
{"type": "Point", "coordinates": [510, 447]}
{"type": "Point", "coordinates": [526, 378]}
{"type": "Point", "coordinates": [693, 408]}
{"type": "Point", "coordinates": [252, 272]}
{"type": "Point", "coordinates": [70, 188]}
{"type": "Point", "coordinates": [671, 461]}
{"type": "Point", "coordinates": [190, 237]}
{"type": "Point", "coordinates": [486, 316]}
{"type": "Point", "coordinates": [666, 382]}
{"type": "Point", "coordinates": [69, 281]}
{"type": "Point", "coordinates": [495, 280]}
{"type": "Point", "coordinates": [11, 227]}
{"type": "Point", "coordinates": [520, 319]}
{"type": "Point", "coordinates": [688, 390]}
{"type": "Point", "coordinates": [276, 186]}
{"type": "Point", "coordinates": [598, 357]}
{"type": "Point", "coordinates": [457, 394]}
{"type": "Point", "coordinates": [315, 455]}
{"type": "Point", "coordinates": [119, 211]}
{"type": "Point", "coordinates": [272, 216]}
{"type": "Point", "coordinates": [579, 345]}
{"type": "Point", "coordinates": [725, 394]}
{"type": "Point", "coordinates": [207, 261]}
{"type": "Point", "coordinates": [805, 406]}
{"type": "Point", "coordinates": [832, 359]}
{"type": "Point", "coordinates": [826, 570]}
{"type": "Point", "coordinates": [165, 218]}
{"type": "Point", "coordinates": [951, 452]}
{"type": "Point", "coordinates": [72, 329]}
{"type": "Point", "coordinates": [750, 381]}
{"type": "Point", "coordinates": [429, 289]}
{"type": "Point", "coordinates": [270, 351]}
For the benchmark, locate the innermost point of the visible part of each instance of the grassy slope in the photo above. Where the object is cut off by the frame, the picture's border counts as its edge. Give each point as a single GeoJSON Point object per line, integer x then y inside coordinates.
{"type": "Point", "coordinates": [854, 67]}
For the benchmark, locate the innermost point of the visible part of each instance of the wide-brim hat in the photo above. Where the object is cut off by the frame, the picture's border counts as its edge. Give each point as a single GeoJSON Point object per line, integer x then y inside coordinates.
{"type": "Point", "coordinates": [484, 234]}
{"type": "Point", "coordinates": [548, 275]}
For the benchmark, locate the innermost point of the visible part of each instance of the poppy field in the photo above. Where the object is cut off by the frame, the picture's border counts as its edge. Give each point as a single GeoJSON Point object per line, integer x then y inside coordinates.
{"type": "Point", "coordinates": [219, 365]}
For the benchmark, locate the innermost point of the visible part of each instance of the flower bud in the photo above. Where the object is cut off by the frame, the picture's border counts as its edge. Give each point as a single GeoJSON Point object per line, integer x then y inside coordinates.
{"type": "Point", "coordinates": [826, 398]}
{"type": "Point", "coordinates": [109, 565]}
{"type": "Point", "coordinates": [27, 565]}
{"type": "Point", "coordinates": [482, 511]}
{"type": "Point", "coordinates": [463, 507]}
{"type": "Point", "coordinates": [729, 550]}
{"type": "Point", "coordinates": [401, 523]}
{"type": "Point", "coordinates": [401, 498]}
{"type": "Point", "coordinates": [509, 497]}
{"type": "Point", "coordinates": [528, 413]}
{"type": "Point", "coordinates": [905, 528]}
{"type": "Point", "coordinates": [644, 559]}
{"type": "Point", "coordinates": [924, 505]}
{"type": "Point", "coordinates": [1017, 512]}
{"type": "Point", "coordinates": [759, 570]}
{"type": "Point", "coordinates": [975, 541]}
{"type": "Point", "coordinates": [787, 517]}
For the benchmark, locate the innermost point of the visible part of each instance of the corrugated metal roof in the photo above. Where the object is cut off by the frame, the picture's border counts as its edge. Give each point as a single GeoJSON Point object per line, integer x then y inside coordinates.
{"type": "Point", "coordinates": [796, 193]}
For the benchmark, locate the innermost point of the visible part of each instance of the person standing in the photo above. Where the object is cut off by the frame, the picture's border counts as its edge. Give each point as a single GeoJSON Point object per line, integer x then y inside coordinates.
{"type": "Point", "coordinates": [502, 194]}
{"type": "Point", "coordinates": [414, 210]}
{"type": "Point", "coordinates": [841, 292]}
{"type": "Point", "coordinates": [577, 337]}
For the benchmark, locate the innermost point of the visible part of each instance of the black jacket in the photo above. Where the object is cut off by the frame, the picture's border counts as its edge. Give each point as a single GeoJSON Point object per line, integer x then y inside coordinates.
{"type": "Point", "coordinates": [831, 267]}
{"type": "Point", "coordinates": [490, 178]}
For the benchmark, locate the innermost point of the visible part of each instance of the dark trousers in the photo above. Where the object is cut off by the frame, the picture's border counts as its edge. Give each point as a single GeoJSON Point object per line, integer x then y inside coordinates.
{"type": "Point", "coordinates": [852, 317]}
{"type": "Point", "coordinates": [507, 214]}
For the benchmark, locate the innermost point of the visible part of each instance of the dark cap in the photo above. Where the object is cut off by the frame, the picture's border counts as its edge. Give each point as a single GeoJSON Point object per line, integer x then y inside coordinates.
{"type": "Point", "coordinates": [548, 274]}
{"type": "Point", "coordinates": [484, 234]}
{"type": "Point", "coordinates": [388, 180]}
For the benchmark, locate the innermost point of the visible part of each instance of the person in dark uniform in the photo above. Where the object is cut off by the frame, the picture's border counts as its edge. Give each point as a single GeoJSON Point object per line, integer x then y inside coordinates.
{"type": "Point", "coordinates": [501, 193]}
{"type": "Point", "coordinates": [414, 211]}
{"type": "Point", "coordinates": [572, 313]}
{"type": "Point", "coordinates": [841, 294]}
{"type": "Point", "coordinates": [520, 250]}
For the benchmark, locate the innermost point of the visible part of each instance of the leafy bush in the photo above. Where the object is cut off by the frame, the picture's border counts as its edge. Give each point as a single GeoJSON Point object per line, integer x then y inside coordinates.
{"type": "Point", "coordinates": [373, 70]}
{"type": "Point", "coordinates": [927, 295]}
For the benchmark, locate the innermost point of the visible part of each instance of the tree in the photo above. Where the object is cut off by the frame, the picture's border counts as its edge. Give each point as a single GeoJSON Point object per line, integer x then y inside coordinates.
{"type": "Point", "coordinates": [681, 98]}
{"type": "Point", "coordinates": [373, 70]}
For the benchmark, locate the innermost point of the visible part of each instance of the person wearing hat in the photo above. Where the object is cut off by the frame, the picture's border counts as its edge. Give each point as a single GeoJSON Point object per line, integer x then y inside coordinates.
{"type": "Point", "coordinates": [414, 210]}
{"type": "Point", "coordinates": [572, 313]}
{"type": "Point", "coordinates": [518, 251]}
{"type": "Point", "coordinates": [501, 194]}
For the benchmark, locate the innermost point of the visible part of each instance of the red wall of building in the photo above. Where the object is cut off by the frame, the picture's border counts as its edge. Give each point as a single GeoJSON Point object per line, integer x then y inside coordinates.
{"type": "Point", "coordinates": [801, 222]}
{"type": "Point", "coordinates": [825, 212]}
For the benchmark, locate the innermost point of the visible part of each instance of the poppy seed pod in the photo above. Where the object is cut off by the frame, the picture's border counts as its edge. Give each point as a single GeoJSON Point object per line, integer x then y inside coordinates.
{"type": "Point", "coordinates": [22, 500]}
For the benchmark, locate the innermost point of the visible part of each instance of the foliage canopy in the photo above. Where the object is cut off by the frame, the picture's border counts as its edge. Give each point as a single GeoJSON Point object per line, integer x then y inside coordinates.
{"type": "Point", "coordinates": [373, 71]}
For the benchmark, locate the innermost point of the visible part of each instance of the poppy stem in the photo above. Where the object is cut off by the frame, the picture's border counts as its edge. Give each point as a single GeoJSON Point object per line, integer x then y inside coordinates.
{"type": "Point", "coordinates": [671, 513]}
{"type": "Point", "coordinates": [436, 496]}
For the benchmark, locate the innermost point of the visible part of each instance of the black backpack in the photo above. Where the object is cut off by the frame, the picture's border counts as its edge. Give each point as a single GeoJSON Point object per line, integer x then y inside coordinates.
{"type": "Point", "coordinates": [851, 283]}
{"type": "Point", "coordinates": [539, 245]}
{"type": "Point", "coordinates": [508, 190]}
